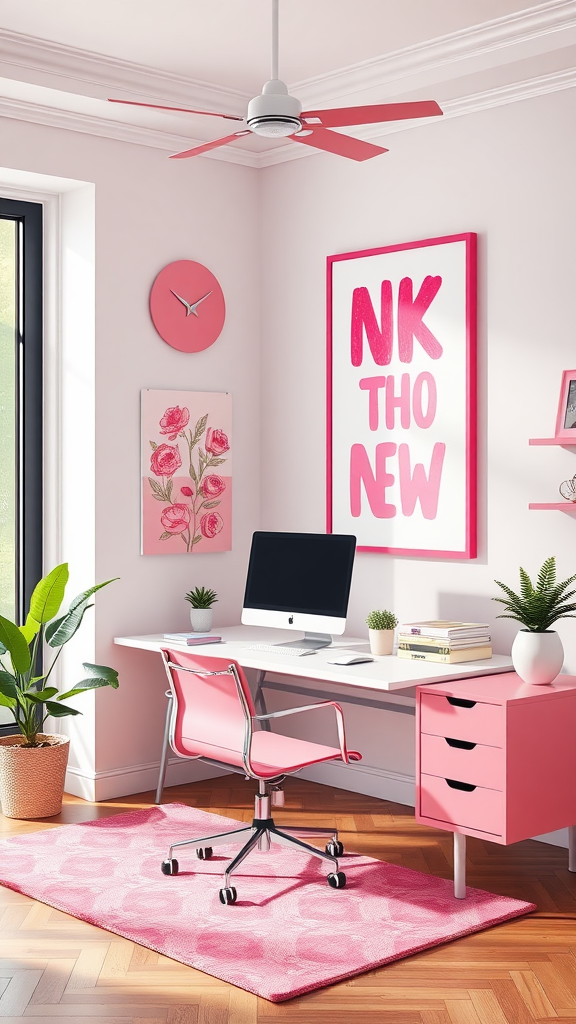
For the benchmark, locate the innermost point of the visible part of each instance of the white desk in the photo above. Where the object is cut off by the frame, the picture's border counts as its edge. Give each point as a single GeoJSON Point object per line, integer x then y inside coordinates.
{"type": "Point", "coordinates": [356, 684]}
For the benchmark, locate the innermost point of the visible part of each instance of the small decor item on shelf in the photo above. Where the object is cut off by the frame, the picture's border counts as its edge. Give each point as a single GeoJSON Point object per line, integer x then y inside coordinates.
{"type": "Point", "coordinates": [568, 489]}
{"type": "Point", "coordinates": [537, 652]}
{"type": "Point", "coordinates": [33, 764]}
{"type": "Point", "coordinates": [201, 601]}
{"type": "Point", "coordinates": [381, 625]}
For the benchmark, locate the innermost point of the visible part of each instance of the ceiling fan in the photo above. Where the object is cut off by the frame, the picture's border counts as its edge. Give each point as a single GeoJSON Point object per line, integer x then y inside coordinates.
{"type": "Point", "coordinates": [276, 114]}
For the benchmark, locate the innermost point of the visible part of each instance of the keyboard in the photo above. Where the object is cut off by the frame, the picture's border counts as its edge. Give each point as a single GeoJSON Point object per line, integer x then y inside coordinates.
{"type": "Point", "coordinates": [277, 649]}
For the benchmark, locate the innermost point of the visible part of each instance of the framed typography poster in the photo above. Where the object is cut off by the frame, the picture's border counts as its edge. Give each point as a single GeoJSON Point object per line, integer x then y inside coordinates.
{"type": "Point", "coordinates": [402, 397]}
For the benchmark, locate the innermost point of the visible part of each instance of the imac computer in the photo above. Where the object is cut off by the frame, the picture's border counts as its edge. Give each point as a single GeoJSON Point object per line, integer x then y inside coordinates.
{"type": "Point", "coordinates": [300, 581]}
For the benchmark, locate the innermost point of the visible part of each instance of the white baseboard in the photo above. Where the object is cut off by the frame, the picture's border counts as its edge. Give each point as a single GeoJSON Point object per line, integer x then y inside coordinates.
{"type": "Point", "coordinates": [361, 778]}
{"type": "Point", "coordinates": [558, 838]}
{"type": "Point", "coordinates": [135, 779]}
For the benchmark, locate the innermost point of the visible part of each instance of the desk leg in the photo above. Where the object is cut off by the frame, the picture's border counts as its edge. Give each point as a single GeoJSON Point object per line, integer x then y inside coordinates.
{"type": "Point", "coordinates": [572, 848]}
{"type": "Point", "coordinates": [260, 700]}
{"type": "Point", "coordinates": [459, 866]}
{"type": "Point", "coordinates": [165, 749]}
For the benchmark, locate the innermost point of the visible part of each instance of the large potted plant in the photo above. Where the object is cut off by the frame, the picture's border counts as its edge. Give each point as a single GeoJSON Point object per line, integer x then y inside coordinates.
{"type": "Point", "coordinates": [33, 763]}
{"type": "Point", "coordinates": [537, 652]}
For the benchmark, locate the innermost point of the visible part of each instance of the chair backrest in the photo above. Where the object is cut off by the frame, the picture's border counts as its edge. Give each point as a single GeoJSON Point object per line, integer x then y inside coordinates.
{"type": "Point", "coordinates": [211, 711]}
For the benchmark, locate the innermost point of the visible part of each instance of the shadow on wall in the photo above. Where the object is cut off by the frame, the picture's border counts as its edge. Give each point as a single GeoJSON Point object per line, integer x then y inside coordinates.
{"type": "Point", "coordinates": [474, 608]}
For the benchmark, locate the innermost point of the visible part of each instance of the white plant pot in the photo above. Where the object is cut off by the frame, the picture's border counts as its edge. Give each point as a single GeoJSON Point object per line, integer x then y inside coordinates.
{"type": "Point", "coordinates": [537, 657]}
{"type": "Point", "coordinates": [201, 620]}
{"type": "Point", "coordinates": [381, 641]}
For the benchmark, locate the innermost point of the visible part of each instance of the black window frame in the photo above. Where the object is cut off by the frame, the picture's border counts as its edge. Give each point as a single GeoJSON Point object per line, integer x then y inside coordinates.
{"type": "Point", "coordinates": [29, 398]}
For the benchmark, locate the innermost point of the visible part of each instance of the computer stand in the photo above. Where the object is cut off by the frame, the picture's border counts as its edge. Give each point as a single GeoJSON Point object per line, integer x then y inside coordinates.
{"type": "Point", "coordinates": [313, 641]}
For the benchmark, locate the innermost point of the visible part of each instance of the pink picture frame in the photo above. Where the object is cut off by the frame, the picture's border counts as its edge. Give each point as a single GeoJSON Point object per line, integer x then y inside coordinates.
{"type": "Point", "coordinates": [402, 397]}
{"type": "Point", "coordinates": [186, 472]}
{"type": "Point", "coordinates": [566, 415]}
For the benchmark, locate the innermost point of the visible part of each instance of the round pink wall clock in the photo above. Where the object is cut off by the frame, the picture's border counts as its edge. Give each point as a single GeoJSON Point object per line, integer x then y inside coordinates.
{"type": "Point", "coordinates": [187, 306]}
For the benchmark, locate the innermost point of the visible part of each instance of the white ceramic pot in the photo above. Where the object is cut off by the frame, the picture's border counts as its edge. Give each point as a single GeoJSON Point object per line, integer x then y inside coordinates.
{"type": "Point", "coordinates": [381, 641]}
{"type": "Point", "coordinates": [537, 657]}
{"type": "Point", "coordinates": [201, 620]}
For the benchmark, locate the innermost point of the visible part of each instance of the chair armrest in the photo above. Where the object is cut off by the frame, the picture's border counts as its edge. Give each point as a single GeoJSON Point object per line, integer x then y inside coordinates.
{"type": "Point", "coordinates": [347, 755]}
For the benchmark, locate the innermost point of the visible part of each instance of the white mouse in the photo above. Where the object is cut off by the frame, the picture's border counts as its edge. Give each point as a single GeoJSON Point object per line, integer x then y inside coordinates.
{"type": "Point", "coordinates": [350, 659]}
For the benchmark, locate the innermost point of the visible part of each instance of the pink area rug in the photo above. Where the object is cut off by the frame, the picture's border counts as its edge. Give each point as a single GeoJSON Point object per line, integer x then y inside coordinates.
{"type": "Point", "coordinates": [288, 933]}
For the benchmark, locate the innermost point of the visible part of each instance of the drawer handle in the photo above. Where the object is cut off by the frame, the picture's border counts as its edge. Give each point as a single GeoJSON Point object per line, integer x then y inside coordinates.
{"type": "Point", "coordinates": [460, 785]}
{"type": "Point", "coordinates": [459, 702]}
{"type": "Point", "coordinates": [461, 744]}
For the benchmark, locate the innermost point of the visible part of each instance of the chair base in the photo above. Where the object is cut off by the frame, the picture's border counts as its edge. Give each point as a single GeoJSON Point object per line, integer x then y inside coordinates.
{"type": "Point", "coordinates": [259, 835]}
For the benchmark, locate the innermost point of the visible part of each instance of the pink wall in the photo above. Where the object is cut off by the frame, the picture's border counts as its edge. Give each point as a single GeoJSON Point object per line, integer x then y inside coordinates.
{"type": "Point", "coordinates": [150, 211]}
{"type": "Point", "coordinates": [506, 174]}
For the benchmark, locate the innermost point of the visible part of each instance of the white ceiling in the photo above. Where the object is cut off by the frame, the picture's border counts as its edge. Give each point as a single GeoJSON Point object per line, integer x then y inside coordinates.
{"type": "Point", "coordinates": [59, 61]}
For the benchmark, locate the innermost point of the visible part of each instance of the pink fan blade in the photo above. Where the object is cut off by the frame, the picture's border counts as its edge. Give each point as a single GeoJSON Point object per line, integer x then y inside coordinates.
{"type": "Point", "coordinates": [181, 110]}
{"type": "Point", "coordinates": [342, 145]}
{"type": "Point", "coordinates": [209, 145]}
{"type": "Point", "coordinates": [342, 117]}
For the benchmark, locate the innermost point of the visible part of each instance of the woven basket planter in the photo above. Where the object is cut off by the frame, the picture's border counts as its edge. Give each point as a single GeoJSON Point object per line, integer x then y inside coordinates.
{"type": "Point", "coordinates": [32, 778]}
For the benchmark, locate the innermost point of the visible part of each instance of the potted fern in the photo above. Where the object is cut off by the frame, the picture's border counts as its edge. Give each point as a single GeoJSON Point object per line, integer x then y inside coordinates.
{"type": "Point", "coordinates": [33, 763]}
{"type": "Point", "coordinates": [381, 626]}
{"type": "Point", "coordinates": [201, 600]}
{"type": "Point", "coordinates": [537, 652]}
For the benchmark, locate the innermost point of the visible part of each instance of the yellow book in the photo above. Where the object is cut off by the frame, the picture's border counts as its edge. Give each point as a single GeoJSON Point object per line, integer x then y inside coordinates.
{"type": "Point", "coordinates": [472, 654]}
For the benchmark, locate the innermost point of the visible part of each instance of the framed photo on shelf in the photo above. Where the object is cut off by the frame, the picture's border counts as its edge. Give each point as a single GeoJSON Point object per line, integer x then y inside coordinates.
{"type": "Point", "coordinates": [566, 418]}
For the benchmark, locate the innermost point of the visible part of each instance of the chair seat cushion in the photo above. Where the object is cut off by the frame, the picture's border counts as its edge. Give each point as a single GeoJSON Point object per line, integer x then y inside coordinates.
{"type": "Point", "coordinates": [272, 754]}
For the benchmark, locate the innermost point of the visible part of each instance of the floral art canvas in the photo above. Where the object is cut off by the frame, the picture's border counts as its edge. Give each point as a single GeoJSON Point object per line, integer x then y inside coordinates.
{"type": "Point", "coordinates": [186, 472]}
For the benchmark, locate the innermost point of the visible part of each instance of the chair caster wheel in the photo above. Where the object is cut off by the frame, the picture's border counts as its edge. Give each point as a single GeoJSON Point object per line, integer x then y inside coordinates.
{"type": "Point", "coordinates": [334, 848]}
{"type": "Point", "coordinates": [228, 895]}
{"type": "Point", "coordinates": [204, 853]}
{"type": "Point", "coordinates": [169, 867]}
{"type": "Point", "coordinates": [337, 879]}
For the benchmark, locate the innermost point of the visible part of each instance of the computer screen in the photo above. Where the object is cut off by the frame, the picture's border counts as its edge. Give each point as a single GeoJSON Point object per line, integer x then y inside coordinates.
{"type": "Point", "coordinates": [299, 581]}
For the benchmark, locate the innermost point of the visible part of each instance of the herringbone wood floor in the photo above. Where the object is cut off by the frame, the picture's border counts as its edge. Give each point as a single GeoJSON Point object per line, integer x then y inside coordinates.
{"type": "Point", "coordinates": [62, 971]}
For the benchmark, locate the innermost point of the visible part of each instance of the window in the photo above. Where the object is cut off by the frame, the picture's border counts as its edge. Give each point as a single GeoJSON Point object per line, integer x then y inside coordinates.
{"type": "Point", "coordinates": [20, 408]}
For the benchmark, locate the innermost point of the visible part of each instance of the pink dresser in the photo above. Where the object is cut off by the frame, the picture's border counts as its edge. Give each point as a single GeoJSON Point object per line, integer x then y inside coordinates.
{"type": "Point", "coordinates": [496, 758]}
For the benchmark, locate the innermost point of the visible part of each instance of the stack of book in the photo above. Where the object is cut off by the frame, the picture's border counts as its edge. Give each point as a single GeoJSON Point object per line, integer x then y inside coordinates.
{"type": "Point", "coordinates": [448, 642]}
{"type": "Point", "coordinates": [190, 639]}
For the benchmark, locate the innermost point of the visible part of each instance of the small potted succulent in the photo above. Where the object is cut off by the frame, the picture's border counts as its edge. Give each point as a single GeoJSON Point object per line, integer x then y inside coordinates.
{"type": "Point", "coordinates": [33, 763]}
{"type": "Point", "coordinates": [381, 625]}
{"type": "Point", "coordinates": [201, 600]}
{"type": "Point", "coordinates": [537, 652]}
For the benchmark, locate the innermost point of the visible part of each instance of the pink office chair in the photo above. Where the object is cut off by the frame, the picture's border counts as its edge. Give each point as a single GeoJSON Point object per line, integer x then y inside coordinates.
{"type": "Point", "coordinates": [213, 718]}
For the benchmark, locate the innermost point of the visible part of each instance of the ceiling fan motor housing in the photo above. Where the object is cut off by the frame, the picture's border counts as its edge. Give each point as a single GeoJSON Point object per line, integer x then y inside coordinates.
{"type": "Point", "coordinates": [274, 113]}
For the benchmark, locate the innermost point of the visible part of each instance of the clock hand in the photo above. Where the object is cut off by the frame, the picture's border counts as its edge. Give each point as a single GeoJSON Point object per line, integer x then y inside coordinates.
{"type": "Point", "coordinates": [183, 301]}
{"type": "Point", "coordinates": [192, 308]}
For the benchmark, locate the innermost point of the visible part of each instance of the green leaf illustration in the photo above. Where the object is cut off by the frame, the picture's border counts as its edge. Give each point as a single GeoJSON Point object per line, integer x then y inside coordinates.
{"type": "Point", "coordinates": [165, 535]}
{"type": "Point", "coordinates": [209, 504]}
{"type": "Point", "coordinates": [153, 445]}
{"type": "Point", "coordinates": [216, 462]}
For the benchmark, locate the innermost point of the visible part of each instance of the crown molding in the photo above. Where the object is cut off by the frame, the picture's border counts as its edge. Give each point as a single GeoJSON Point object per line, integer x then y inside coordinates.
{"type": "Point", "coordinates": [548, 26]}
{"type": "Point", "coordinates": [69, 68]}
{"type": "Point", "coordinates": [518, 32]}
{"type": "Point", "coordinates": [89, 125]}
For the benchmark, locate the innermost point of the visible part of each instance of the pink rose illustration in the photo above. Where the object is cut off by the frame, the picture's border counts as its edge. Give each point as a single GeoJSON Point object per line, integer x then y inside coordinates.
{"type": "Point", "coordinates": [212, 486]}
{"type": "Point", "coordinates": [216, 441]}
{"type": "Point", "coordinates": [173, 421]}
{"type": "Point", "coordinates": [165, 460]}
{"type": "Point", "coordinates": [175, 518]}
{"type": "Point", "coordinates": [211, 524]}
{"type": "Point", "coordinates": [186, 491]}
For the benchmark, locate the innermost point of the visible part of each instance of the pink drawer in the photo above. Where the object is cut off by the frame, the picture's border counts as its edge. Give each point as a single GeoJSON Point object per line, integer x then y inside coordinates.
{"type": "Point", "coordinates": [477, 764]}
{"type": "Point", "coordinates": [479, 723]}
{"type": "Point", "coordinates": [479, 809]}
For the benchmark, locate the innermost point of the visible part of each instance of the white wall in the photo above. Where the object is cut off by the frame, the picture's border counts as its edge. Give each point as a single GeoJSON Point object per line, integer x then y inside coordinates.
{"type": "Point", "coordinates": [507, 174]}
{"type": "Point", "coordinates": [149, 212]}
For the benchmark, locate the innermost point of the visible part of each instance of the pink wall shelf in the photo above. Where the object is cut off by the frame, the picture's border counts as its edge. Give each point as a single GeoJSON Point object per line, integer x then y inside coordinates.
{"type": "Point", "coordinates": [561, 506]}
{"type": "Point", "coordinates": [552, 440]}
